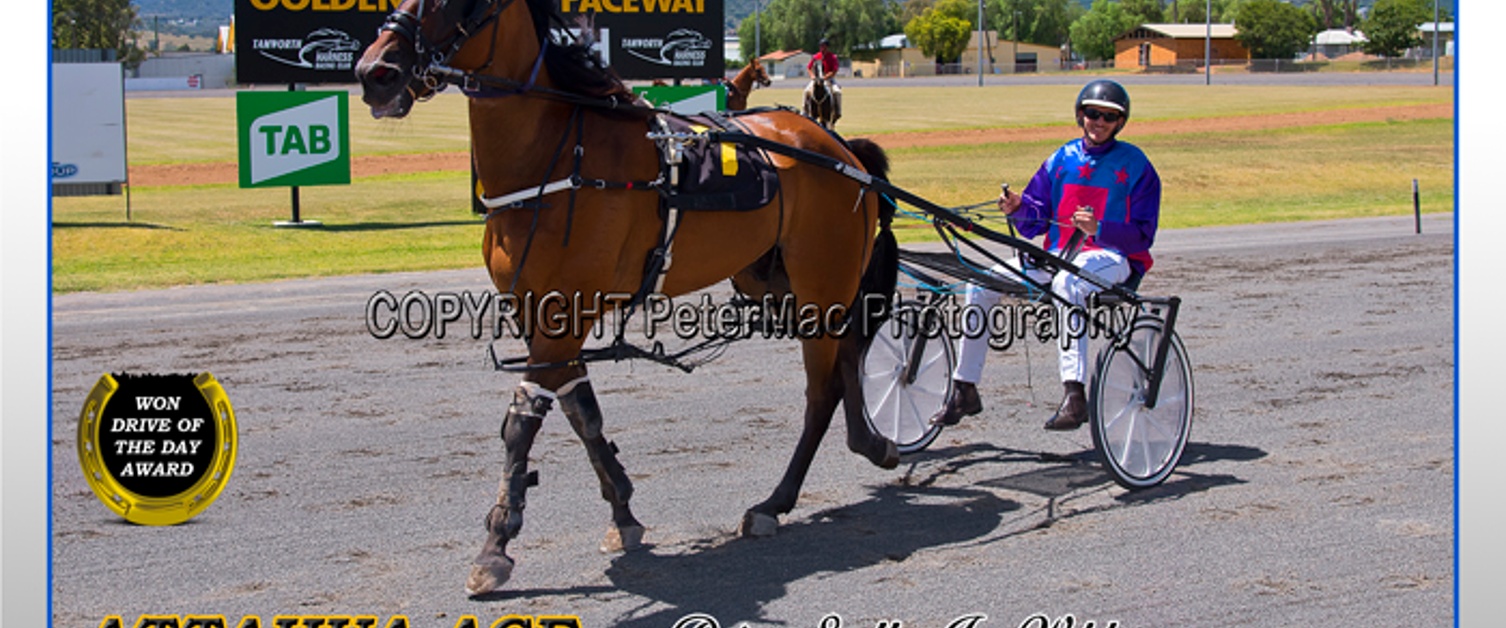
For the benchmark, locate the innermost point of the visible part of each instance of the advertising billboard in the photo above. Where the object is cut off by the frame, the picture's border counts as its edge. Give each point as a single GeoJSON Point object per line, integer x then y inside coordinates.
{"type": "Point", "coordinates": [319, 41]}
{"type": "Point", "coordinates": [653, 39]}
{"type": "Point", "coordinates": [304, 41]}
{"type": "Point", "coordinates": [293, 138]}
{"type": "Point", "coordinates": [88, 123]}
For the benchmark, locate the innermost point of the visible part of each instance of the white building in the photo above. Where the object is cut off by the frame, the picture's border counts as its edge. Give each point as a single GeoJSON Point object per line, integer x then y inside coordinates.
{"type": "Point", "coordinates": [1445, 31]}
{"type": "Point", "coordinates": [1338, 42]}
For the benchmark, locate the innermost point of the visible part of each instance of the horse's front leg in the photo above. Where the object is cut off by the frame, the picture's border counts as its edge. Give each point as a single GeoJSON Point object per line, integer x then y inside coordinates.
{"type": "Point", "coordinates": [525, 415]}
{"type": "Point", "coordinates": [578, 400]}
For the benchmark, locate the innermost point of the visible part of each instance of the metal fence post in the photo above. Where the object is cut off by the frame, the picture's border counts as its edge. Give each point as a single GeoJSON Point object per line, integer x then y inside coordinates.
{"type": "Point", "coordinates": [1416, 207]}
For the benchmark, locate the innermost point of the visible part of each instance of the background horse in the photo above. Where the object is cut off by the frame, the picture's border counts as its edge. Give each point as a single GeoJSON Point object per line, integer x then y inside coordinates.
{"type": "Point", "coordinates": [545, 111]}
{"type": "Point", "coordinates": [751, 76]}
{"type": "Point", "coordinates": [819, 104]}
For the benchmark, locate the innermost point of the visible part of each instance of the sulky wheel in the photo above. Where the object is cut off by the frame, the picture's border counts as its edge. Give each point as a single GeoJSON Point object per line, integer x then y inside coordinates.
{"type": "Point", "coordinates": [1141, 446]}
{"type": "Point", "coordinates": [907, 378]}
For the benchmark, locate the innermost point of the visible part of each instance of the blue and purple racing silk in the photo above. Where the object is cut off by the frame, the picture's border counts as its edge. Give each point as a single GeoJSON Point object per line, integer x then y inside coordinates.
{"type": "Point", "coordinates": [1115, 179]}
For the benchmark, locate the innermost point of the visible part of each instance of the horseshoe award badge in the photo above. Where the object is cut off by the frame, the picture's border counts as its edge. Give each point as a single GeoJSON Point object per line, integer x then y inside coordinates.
{"type": "Point", "coordinates": [157, 449]}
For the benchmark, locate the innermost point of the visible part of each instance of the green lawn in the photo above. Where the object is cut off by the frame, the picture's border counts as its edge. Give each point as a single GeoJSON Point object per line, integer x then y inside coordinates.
{"type": "Point", "coordinates": [869, 110]}
{"type": "Point", "coordinates": [1310, 173]}
{"type": "Point", "coordinates": [175, 130]}
{"type": "Point", "coordinates": [220, 233]}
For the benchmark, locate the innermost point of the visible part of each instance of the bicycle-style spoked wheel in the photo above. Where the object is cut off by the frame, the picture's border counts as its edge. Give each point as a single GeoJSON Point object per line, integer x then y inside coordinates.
{"type": "Point", "coordinates": [906, 375]}
{"type": "Point", "coordinates": [1141, 446]}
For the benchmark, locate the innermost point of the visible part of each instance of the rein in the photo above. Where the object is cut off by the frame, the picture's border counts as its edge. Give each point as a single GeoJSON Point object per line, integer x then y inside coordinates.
{"type": "Point", "coordinates": [437, 76]}
{"type": "Point", "coordinates": [476, 85]}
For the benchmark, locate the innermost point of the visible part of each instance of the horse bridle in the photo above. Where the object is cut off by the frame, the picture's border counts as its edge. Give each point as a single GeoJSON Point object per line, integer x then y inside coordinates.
{"type": "Point", "coordinates": [433, 71]}
{"type": "Point", "coordinates": [434, 57]}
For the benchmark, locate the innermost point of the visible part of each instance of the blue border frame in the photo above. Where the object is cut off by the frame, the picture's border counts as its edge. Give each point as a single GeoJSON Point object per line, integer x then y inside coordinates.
{"type": "Point", "coordinates": [1457, 253]}
{"type": "Point", "coordinates": [47, 235]}
{"type": "Point", "coordinates": [51, 554]}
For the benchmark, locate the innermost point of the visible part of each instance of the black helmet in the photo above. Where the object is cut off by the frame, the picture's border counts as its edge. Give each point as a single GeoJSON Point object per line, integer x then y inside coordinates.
{"type": "Point", "coordinates": [1104, 93]}
{"type": "Point", "coordinates": [825, 41]}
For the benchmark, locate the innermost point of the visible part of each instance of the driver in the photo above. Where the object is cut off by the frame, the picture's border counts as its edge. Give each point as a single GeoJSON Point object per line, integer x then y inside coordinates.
{"type": "Point", "coordinates": [823, 66]}
{"type": "Point", "coordinates": [1099, 185]}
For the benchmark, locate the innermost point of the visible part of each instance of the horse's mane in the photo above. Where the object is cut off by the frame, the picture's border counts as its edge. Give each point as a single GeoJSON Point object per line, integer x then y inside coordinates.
{"type": "Point", "coordinates": [573, 65]}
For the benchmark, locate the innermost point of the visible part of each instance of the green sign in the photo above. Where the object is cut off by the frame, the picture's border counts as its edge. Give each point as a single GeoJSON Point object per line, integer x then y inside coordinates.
{"type": "Point", "coordinates": [685, 98]}
{"type": "Point", "coordinates": [293, 138]}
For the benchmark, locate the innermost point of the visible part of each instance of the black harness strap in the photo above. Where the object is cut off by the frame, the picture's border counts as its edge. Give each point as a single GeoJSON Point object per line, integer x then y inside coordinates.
{"type": "Point", "coordinates": [580, 152]}
{"type": "Point", "coordinates": [534, 227]}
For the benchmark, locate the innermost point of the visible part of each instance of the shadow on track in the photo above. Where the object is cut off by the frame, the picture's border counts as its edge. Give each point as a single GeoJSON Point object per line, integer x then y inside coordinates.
{"type": "Point", "coordinates": [733, 579]}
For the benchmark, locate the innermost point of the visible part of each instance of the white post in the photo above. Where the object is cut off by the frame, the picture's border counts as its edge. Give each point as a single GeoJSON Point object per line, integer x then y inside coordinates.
{"type": "Point", "coordinates": [757, 31]}
{"type": "Point", "coordinates": [1435, 42]}
{"type": "Point", "coordinates": [1208, 46]}
{"type": "Point", "coordinates": [980, 43]}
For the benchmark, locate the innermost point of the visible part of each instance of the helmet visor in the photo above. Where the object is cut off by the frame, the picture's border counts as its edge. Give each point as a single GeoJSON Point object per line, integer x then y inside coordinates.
{"type": "Point", "coordinates": [1094, 102]}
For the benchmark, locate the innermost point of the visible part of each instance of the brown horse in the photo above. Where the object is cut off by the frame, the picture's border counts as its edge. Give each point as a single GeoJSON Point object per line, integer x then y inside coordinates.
{"type": "Point", "coordinates": [543, 110]}
{"type": "Point", "coordinates": [820, 103]}
{"type": "Point", "coordinates": [751, 76]}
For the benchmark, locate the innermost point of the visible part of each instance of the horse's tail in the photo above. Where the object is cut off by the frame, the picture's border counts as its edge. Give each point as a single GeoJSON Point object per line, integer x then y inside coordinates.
{"type": "Point", "coordinates": [876, 292]}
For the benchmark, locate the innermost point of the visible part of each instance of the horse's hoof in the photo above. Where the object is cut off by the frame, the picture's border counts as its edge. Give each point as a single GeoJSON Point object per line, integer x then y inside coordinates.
{"type": "Point", "coordinates": [622, 539]}
{"type": "Point", "coordinates": [891, 455]}
{"type": "Point", "coordinates": [880, 451]}
{"type": "Point", "coordinates": [757, 524]}
{"type": "Point", "coordinates": [488, 574]}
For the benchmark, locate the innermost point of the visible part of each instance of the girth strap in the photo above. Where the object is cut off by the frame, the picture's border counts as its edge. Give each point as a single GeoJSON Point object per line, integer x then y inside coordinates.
{"type": "Point", "coordinates": [516, 199]}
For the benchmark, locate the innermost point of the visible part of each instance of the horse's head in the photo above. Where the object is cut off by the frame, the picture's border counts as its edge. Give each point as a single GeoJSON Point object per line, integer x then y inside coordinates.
{"type": "Point", "coordinates": [492, 47]}
{"type": "Point", "coordinates": [419, 37]}
{"type": "Point", "coordinates": [819, 105]}
{"type": "Point", "coordinates": [818, 90]}
{"type": "Point", "coordinates": [760, 75]}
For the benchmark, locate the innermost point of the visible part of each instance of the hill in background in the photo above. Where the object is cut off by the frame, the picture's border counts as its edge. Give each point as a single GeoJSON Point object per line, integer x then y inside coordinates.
{"type": "Point", "coordinates": [198, 18]}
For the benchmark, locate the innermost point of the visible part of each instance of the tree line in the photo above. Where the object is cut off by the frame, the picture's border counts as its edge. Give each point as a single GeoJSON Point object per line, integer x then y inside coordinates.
{"type": "Point", "coordinates": [941, 29]}
{"type": "Point", "coordinates": [98, 24]}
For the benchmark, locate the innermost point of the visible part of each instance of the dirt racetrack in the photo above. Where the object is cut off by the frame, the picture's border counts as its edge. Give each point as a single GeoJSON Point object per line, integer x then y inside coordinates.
{"type": "Point", "coordinates": [1317, 489]}
{"type": "Point", "coordinates": [375, 165]}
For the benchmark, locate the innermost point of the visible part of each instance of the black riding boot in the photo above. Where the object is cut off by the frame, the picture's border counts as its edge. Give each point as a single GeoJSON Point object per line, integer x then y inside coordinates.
{"type": "Point", "coordinates": [963, 402]}
{"type": "Point", "coordinates": [1073, 411]}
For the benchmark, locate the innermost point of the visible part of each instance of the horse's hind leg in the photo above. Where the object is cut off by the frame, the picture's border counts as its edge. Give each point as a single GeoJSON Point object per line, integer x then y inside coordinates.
{"type": "Point", "coordinates": [861, 439]}
{"type": "Point", "coordinates": [831, 378]}
{"type": "Point", "coordinates": [822, 393]}
{"type": "Point", "coordinates": [525, 415]}
{"type": "Point", "coordinates": [578, 400]}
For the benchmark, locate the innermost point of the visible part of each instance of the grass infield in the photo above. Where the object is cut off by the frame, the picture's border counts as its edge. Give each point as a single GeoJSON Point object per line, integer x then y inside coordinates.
{"type": "Point", "coordinates": [191, 234]}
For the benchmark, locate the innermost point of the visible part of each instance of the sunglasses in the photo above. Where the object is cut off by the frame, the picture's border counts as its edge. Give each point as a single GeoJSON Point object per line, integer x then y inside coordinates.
{"type": "Point", "coordinates": [1107, 116]}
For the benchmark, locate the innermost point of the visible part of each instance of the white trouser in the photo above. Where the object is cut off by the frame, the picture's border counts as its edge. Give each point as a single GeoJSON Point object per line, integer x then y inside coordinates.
{"type": "Point", "coordinates": [972, 349]}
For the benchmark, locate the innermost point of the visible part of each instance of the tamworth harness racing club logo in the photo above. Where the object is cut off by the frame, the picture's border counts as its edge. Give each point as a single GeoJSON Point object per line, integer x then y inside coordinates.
{"type": "Point", "coordinates": [683, 47]}
{"type": "Point", "coordinates": [655, 39]}
{"type": "Point", "coordinates": [323, 49]}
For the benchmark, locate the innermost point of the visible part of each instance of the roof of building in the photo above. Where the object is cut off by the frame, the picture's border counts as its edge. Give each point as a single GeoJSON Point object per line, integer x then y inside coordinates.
{"type": "Point", "coordinates": [781, 55]}
{"type": "Point", "coordinates": [1180, 31]}
{"type": "Point", "coordinates": [1339, 37]}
